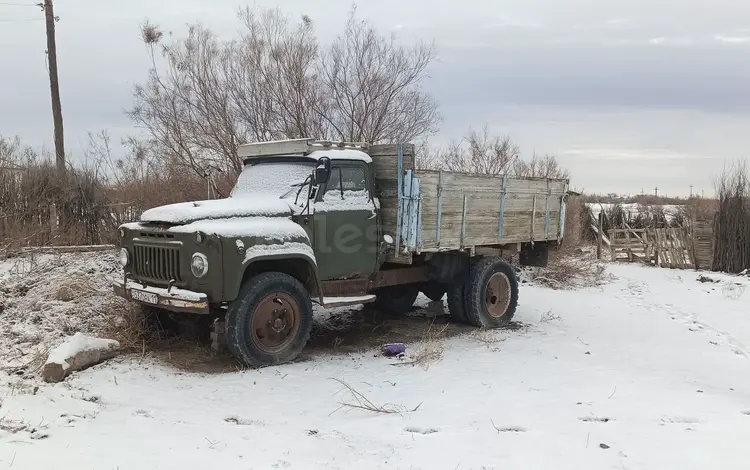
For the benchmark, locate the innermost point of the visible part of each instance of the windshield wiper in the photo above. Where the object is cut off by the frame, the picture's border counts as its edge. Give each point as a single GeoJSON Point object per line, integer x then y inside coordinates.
{"type": "Point", "coordinates": [301, 185]}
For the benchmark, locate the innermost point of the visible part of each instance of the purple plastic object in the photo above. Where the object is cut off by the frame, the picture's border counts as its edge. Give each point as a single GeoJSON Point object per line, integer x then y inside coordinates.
{"type": "Point", "coordinates": [394, 349]}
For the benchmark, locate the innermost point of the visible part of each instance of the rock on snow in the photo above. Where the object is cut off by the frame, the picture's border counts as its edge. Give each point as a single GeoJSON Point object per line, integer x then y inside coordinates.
{"type": "Point", "coordinates": [78, 352]}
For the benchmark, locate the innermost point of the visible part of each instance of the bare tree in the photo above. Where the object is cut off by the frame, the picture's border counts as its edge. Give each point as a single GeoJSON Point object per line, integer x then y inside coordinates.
{"type": "Point", "coordinates": [206, 96]}
{"type": "Point", "coordinates": [272, 80]}
{"type": "Point", "coordinates": [480, 153]}
{"type": "Point", "coordinates": [426, 157]}
{"type": "Point", "coordinates": [186, 109]}
{"type": "Point", "coordinates": [546, 166]}
{"type": "Point", "coordinates": [372, 85]}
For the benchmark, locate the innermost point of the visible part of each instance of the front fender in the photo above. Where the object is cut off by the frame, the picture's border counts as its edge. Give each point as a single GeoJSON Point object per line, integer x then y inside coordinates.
{"type": "Point", "coordinates": [292, 251]}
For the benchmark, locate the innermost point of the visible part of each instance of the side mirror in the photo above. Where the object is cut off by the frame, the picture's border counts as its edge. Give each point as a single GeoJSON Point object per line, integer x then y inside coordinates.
{"type": "Point", "coordinates": [323, 170]}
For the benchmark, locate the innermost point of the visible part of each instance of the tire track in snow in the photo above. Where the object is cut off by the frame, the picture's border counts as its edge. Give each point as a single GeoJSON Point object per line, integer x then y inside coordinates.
{"type": "Point", "coordinates": [695, 325]}
{"type": "Point", "coordinates": [638, 290]}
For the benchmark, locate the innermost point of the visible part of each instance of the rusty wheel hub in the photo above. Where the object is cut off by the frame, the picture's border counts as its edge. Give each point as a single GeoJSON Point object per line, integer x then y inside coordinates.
{"type": "Point", "coordinates": [275, 322]}
{"type": "Point", "coordinates": [497, 295]}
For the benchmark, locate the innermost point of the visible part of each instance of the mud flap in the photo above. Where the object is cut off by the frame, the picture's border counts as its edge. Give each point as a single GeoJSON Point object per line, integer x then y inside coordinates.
{"type": "Point", "coordinates": [535, 255]}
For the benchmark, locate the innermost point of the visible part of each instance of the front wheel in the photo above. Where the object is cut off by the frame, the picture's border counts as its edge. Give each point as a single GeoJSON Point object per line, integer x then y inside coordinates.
{"type": "Point", "coordinates": [491, 293]}
{"type": "Point", "coordinates": [270, 321]}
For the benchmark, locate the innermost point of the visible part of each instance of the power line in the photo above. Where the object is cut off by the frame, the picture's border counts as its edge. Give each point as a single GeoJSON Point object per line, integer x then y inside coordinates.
{"type": "Point", "coordinates": [19, 4]}
{"type": "Point", "coordinates": [11, 20]}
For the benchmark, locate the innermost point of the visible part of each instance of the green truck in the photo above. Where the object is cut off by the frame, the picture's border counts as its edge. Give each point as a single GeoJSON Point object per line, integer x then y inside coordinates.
{"type": "Point", "coordinates": [337, 223]}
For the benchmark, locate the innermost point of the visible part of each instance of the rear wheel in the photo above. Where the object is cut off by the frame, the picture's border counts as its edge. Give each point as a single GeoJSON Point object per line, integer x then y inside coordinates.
{"type": "Point", "coordinates": [270, 321]}
{"type": "Point", "coordinates": [491, 293]}
{"type": "Point", "coordinates": [456, 301]}
{"type": "Point", "coordinates": [396, 299]}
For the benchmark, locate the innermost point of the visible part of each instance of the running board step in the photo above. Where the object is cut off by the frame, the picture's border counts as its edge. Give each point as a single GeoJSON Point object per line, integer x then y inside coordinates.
{"type": "Point", "coordinates": [344, 301]}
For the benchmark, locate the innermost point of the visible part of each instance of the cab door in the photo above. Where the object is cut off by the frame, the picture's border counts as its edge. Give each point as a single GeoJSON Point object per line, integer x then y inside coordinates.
{"type": "Point", "coordinates": [346, 223]}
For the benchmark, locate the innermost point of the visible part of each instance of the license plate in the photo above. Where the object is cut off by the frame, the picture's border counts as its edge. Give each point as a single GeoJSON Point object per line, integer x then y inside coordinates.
{"type": "Point", "coordinates": [147, 297]}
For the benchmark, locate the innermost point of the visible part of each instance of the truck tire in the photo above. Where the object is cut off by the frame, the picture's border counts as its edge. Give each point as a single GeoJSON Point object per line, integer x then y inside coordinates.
{"type": "Point", "coordinates": [433, 290]}
{"type": "Point", "coordinates": [456, 301]}
{"type": "Point", "coordinates": [491, 293]}
{"type": "Point", "coordinates": [396, 299]}
{"type": "Point", "coordinates": [270, 321]}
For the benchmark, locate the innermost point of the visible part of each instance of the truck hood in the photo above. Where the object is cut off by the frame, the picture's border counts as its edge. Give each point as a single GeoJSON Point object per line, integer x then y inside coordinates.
{"type": "Point", "coordinates": [272, 230]}
{"type": "Point", "coordinates": [187, 212]}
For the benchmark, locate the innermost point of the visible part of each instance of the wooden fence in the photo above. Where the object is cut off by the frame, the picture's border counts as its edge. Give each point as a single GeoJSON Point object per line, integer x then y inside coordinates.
{"type": "Point", "coordinates": [703, 240]}
{"type": "Point", "coordinates": [663, 247]}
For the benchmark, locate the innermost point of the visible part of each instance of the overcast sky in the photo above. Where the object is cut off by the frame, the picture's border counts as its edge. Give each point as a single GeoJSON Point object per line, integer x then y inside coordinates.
{"type": "Point", "coordinates": [629, 94]}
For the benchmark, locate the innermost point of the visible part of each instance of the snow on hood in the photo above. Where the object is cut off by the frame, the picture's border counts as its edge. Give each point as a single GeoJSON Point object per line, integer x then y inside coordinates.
{"type": "Point", "coordinates": [187, 212]}
{"type": "Point", "coordinates": [272, 229]}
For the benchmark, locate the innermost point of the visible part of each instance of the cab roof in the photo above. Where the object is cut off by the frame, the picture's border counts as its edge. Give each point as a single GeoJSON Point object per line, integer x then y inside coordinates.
{"type": "Point", "coordinates": [303, 149]}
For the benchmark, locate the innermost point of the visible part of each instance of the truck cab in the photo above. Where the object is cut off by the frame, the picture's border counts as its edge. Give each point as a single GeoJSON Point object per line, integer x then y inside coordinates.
{"type": "Point", "coordinates": [306, 211]}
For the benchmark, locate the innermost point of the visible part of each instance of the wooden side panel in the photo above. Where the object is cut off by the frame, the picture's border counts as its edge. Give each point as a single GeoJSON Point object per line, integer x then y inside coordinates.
{"type": "Point", "coordinates": [385, 166]}
{"type": "Point", "coordinates": [385, 159]}
{"type": "Point", "coordinates": [524, 217]}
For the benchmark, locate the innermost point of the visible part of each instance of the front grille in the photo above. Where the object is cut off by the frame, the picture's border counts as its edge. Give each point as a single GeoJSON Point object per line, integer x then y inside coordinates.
{"type": "Point", "coordinates": [157, 262]}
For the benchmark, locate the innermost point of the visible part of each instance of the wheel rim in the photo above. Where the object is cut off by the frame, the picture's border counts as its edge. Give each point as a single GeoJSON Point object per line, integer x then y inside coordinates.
{"type": "Point", "coordinates": [497, 295]}
{"type": "Point", "coordinates": [275, 322]}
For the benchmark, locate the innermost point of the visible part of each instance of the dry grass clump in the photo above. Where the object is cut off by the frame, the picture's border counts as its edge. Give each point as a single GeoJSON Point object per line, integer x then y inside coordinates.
{"type": "Point", "coordinates": [431, 347]}
{"type": "Point", "coordinates": [732, 220]}
{"type": "Point", "coordinates": [138, 328]}
{"type": "Point", "coordinates": [74, 288]}
{"type": "Point", "coordinates": [570, 268]}
{"type": "Point", "coordinates": [488, 337]}
{"type": "Point", "coordinates": [361, 402]}
{"type": "Point", "coordinates": [128, 327]}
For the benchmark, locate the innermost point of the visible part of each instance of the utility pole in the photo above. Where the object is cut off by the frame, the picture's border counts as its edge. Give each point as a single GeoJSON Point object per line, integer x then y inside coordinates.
{"type": "Point", "coordinates": [656, 191]}
{"type": "Point", "coordinates": [54, 86]}
{"type": "Point", "coordinates": [691, 191]}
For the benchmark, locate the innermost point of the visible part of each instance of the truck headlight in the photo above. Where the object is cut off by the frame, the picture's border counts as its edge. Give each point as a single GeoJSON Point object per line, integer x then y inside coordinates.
{"type": "Point", "coordinates": [199, 265]}
{"type": "Point", "coordinates": [124, 257]}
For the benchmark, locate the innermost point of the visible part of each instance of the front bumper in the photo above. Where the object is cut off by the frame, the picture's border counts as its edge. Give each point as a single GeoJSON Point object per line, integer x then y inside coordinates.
{"type": "Point", "coordinates": [173, 299]}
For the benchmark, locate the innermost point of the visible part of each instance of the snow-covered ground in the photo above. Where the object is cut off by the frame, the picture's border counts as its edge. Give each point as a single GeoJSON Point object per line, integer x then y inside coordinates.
{"type": "Point", "coordinates": [649, 371]}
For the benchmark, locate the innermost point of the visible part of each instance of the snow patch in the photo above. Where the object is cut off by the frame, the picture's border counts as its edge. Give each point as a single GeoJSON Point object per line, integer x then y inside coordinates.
{"type": "Point", "coordinates": [274, 179]}
{"type": "Point", "coordinates": [76, 353]}
{"type": "Point", "coordinates": [45, 298]}
{"type": "Point", "coordinates": [632, 210]}
{"type": "Point", "coordinates": [334, 301]}
{"type": "Point", "coordinates": [287, 248]}
{"type": "Point", "coordinates": [342, 154]}
{"type": "Point", "coordinates": [420, 430]}
{"type": "Point", "coordinates": [351, 200]}
{"type": "Point", "coordinates": [275, 228]}
{"type": "Point", "coordinates": [186, 212]}
{"type": "Point", "coordinates": [79, 343]}
{"type": "Point", "coordinates": [242, 421]}
{"type": "Point", "coordinates": [174, 292]}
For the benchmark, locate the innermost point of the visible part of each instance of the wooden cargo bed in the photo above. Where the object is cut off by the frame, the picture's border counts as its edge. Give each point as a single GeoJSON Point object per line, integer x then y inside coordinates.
{"type": "Point", "coordinates": [442, 210]}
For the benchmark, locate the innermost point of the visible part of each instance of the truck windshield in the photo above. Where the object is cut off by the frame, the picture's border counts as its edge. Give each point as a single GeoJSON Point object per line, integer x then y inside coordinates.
{"type": "Point", "coordinates": [276, 179]}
